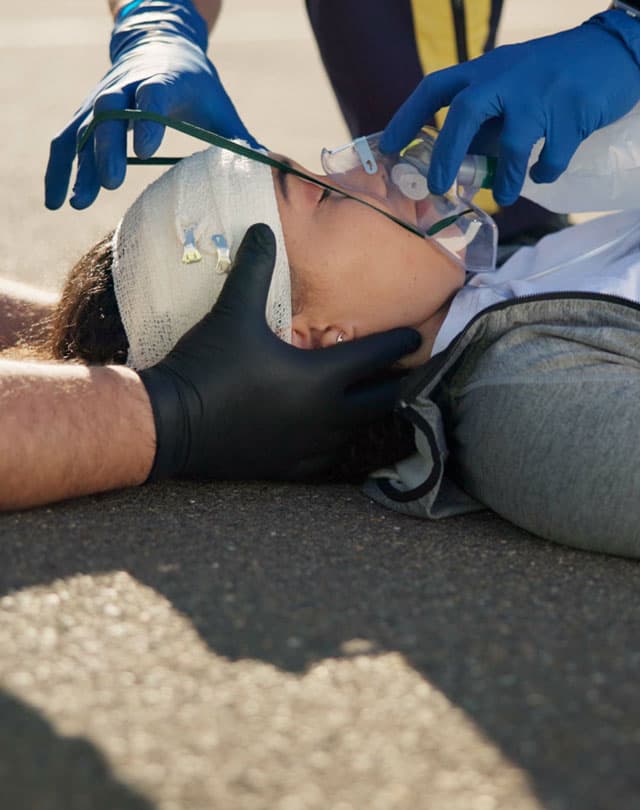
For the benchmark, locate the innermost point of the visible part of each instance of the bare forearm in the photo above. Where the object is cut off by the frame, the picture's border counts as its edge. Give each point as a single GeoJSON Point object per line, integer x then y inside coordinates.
{"type": "Point", "coordinates": [70, 430]}
{"type": "Point", "coordinates": [208, 9]}
{"type": "Point", "coordinates": [22, 309]}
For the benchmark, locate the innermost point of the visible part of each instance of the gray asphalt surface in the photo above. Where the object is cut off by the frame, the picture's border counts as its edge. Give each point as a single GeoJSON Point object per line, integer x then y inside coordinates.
{"type": "Point", "coordinates": [186, 647]}
{"type": "Point", "coordinates": [278, 646]}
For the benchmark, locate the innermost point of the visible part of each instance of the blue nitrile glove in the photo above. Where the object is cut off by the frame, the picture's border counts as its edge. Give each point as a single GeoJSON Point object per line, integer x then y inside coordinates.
{"type": "Point", "coordinates": [159, 63]}
{"type": "Point", "coordinates": [560, 87]}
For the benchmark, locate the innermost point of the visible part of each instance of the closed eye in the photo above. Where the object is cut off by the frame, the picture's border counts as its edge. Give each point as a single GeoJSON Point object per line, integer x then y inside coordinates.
{"type": "Point", "coordinates": [332, 192]}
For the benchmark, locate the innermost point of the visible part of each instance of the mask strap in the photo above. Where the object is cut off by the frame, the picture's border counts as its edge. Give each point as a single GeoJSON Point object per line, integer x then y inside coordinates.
{"type": "Point", "coordinates": [223, 143]}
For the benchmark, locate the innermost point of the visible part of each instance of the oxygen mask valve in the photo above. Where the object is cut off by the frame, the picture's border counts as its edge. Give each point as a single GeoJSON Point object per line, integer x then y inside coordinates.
{"type": "Point", "coordinates": [476, 171]}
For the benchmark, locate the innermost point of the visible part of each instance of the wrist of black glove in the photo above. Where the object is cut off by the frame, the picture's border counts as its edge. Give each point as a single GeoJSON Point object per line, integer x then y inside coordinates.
{"type": "Point", "coordinates": [154, 18]}
{"type": "Point", "coordinates": [170, 403]}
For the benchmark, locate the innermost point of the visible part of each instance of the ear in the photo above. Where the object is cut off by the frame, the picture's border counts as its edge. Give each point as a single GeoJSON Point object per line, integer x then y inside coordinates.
{"type": "Point", "coordinates": [305, 335]}
{"type": "Point", "coordinates": [329, 335]}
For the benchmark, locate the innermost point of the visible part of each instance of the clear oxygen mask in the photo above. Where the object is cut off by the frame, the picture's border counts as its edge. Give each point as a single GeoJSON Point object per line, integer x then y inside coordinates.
{"type": "Point", "coordinates": [398, 183]}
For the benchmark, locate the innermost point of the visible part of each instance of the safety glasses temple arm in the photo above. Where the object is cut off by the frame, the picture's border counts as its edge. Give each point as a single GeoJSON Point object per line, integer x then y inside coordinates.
{"type": "Point", "coordinates": [224, 143]}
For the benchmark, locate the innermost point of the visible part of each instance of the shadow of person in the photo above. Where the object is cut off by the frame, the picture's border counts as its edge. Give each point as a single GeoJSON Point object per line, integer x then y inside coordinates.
{"type": "Point", "coordinates": [40, 769]}
{"type": "Point", "coordinates": [536, 643]}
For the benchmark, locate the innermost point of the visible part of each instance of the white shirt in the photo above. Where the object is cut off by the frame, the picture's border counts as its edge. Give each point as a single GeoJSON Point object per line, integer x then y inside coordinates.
{"type": "Point", "coordinates": [600, 256]}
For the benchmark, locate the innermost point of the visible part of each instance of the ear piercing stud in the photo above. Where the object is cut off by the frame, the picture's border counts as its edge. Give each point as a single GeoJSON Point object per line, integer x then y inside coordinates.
{"type": "Point", "coordinates": [340, 338]}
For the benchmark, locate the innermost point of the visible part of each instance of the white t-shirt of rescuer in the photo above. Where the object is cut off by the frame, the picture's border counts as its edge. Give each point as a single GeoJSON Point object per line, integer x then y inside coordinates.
{"type": "Point", "coordinates": [600, 256]}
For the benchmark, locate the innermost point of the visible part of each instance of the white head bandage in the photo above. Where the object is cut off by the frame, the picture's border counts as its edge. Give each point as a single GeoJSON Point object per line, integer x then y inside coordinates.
{"type": "Point", "coordinates": [173, 246]}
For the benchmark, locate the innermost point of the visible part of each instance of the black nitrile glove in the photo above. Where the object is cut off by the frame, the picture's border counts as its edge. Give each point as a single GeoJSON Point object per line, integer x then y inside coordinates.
{"type": "Point", "coordinates": [232, 400]}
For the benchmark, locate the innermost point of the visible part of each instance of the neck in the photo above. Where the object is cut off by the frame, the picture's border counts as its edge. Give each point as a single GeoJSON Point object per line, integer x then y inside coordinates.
{"type": "Point", "coordinates": [428, 331]}
{"type": "Point", "coordinates": [432, 326]}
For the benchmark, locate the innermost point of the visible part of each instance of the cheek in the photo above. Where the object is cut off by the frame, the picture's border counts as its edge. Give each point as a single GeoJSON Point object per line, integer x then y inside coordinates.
{"type": "Point", "coordinates": [400, 275]}
{"type": "Point", "coordinates": [367, 271]}
{"type": "Point", "coordinates": [301, 239]}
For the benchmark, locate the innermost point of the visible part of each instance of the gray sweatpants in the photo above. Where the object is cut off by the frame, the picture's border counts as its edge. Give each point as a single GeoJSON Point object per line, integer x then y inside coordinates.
{"type": "Point", "coordinates": [541, 419]}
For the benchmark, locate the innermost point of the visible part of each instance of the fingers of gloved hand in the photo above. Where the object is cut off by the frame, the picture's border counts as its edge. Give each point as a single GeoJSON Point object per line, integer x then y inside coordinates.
{"type": "Point", "coordinates": [368, 403]}
{"type": "Point", "coordinates": [468, 112]}
{"type": "Point", "coordinates": [151, 96]}
{"type": "Point", "coordinates": [433, 93]}
{"type": "Point", "coordinates": [519, 134]}
{"type": "Point", "coordinates": [556, 154]}
{"type": "Point", "coordinates": [210, 108]}
{"type": "Point", "coordinates": [110, 139]}
{"type": "Point", "coordinates": [237, 129]}
{"type": "Point", "coordinates": [221, 115]}
{"type": "Point", "coordinates": [358, 360]}
{"type": "Point", "coordinates": [61, 155]}
{"type": "Point", "coordinates": [487, 139]}
{"type": "Point", "coordinates": [247, 286]}
{"type": "Point", "coordinates": [87, 185]}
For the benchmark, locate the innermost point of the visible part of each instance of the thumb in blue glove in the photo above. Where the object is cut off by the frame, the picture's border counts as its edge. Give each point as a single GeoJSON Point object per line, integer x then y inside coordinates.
{"type": "Point", "coordinates": [159, 64]}
{"type": "Point", "coordinates": [553, 88]}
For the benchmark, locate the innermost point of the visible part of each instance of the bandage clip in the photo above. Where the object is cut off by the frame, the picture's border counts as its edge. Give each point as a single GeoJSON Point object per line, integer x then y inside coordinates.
{"type": "Point", "coordinates": [190, 253]}
{"type": "Point", "coordinates": [222, 252]}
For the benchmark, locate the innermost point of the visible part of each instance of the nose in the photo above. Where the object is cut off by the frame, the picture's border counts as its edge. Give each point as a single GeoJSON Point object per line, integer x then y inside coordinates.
{"type": "Point", "coordinates": [358, 180]}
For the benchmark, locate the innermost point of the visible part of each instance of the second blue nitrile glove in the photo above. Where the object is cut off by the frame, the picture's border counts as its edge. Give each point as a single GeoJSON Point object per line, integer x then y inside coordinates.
{"type": "Point", "coordinates": [159, 63]}
{"type": "Point", "coordinates": [560, 88]}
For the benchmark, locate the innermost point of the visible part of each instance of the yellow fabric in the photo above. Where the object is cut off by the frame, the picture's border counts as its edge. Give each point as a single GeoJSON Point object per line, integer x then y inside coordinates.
{"type": "Point", "coordinates": [484, 199]}
{"type": "Point", "coordinates": [435, 34]}
{"type": "Point", "coordinates": [436, 44]}
{"type": "Point", "coordinates": [478, 15]}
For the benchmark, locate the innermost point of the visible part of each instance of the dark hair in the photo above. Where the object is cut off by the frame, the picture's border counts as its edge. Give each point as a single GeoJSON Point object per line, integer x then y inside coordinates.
{"type": "Point", "coordinates": [86, 327]}
{"type": "Point", "coordinates": [86, 324]}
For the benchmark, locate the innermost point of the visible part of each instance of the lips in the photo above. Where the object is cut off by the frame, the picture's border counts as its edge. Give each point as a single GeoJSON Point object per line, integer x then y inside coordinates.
{"type": "Point", "coordinates": [426, 213]}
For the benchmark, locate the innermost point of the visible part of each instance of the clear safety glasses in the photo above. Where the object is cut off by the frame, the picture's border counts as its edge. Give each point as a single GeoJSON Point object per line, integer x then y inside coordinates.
{"type": "Point", "coordinates": [393, 185]}
{"type": "Point", "coordinates": [399, 183]}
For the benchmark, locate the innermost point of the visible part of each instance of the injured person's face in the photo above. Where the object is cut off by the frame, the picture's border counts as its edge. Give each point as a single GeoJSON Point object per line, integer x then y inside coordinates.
{"type": "Point", "coordinates": [355, 272]}
{"type": "Point", "coordinates": [342, 271]}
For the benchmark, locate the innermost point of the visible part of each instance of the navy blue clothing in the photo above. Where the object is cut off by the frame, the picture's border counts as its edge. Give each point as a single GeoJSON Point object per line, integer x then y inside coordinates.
{"type": "Point", "coordinates": [375, 53]}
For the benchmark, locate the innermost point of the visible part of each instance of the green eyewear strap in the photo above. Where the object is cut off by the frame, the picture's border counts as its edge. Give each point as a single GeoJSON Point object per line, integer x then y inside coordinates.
{"type": "Point", "coordinates": [245, 151]}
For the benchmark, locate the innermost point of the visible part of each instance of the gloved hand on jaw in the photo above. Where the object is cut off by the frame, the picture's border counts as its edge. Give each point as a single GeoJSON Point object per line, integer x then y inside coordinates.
{"type": "Point", "coordinates": [233, 401]}
{"type": "Point", "coordinates": [159, 64]}
{"type": "Point", "coordinates": [560, 88]}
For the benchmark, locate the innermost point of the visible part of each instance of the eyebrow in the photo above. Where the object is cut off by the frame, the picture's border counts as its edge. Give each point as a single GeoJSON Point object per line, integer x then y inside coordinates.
{"type": "Point", "coordinates": [283, 184]}
{"type": "Point", "coordinates": [283, 177]}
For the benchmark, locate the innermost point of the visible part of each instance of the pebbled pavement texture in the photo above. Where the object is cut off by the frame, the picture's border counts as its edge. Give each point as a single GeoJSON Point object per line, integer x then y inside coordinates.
{"type": "Point", "coordinates": [263, 646]}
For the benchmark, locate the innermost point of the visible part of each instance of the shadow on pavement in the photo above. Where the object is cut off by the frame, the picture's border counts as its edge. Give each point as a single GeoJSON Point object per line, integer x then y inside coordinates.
{"type": "Point", "coordinates": [40, 770]}
{"type": "Point", "coordinates": [538, 644]}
